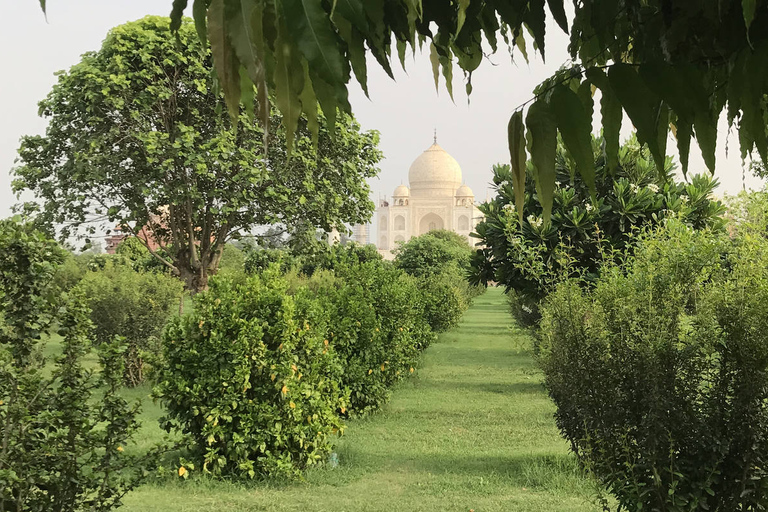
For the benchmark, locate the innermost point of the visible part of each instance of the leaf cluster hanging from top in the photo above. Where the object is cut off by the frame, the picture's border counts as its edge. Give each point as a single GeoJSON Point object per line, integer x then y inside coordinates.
{"type": "Point", "coordinates": [669, 64]}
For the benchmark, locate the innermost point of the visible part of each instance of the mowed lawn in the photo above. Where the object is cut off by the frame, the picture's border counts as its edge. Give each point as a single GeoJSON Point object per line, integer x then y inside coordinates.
{"type": "Point", "coordinates": [471, 430]}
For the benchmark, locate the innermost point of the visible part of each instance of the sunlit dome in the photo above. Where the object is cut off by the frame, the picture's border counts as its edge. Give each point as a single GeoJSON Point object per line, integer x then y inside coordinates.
{"type": "Point", "coordinates": [434, 172]}
{"type": "Point", "coordinates": [464, 191]}
{"type": "Point", "coordinates": [401, 191]}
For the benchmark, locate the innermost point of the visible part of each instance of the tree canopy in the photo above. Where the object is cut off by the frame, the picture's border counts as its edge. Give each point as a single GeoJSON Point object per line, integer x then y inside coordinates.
{"type": "Point", "coordinates": [667, 64]}
{"type": "Point", "coordinates": [137, 137]}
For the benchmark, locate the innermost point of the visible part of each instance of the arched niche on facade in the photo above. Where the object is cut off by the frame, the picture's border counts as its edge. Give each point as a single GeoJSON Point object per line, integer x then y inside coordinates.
{"type": "Point", "coordinates": [463, 223]}
{"type": "Point", "coordinates": [383, 222]}
{"type": "Point", "coordinates": [399, 223]}
{"type": "Point", "coordinates": [383, 242]}
{"type": "Point", "coordinates": [430, 222]}
{"type": "Point", "coordinates": [399, 238]}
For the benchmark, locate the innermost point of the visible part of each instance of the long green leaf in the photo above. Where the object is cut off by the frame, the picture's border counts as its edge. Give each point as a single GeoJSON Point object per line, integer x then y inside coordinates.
{"type": "Point", "coordinates": [642, 107]}
{"type": "Point", "coordinates": [542, 145]}
{"type": "Point", "coordinates": [42, 6]}
{"type": "Point", "coordinates": [434, 58]}
{"type": "Point", "coordinates": [177, 11]}
{"type": "Point", "coordinates": [683, 132]}
{"type": "Point", "coordinates": [308, 24]}
{"type": "Point", "coordinates": [352, 11]}
{"type": "Point", "coordinates": [516, 139]}
{"type": "Point", "coordinates": [309, 106]}
{"type": "Point", "coordinates": [575, 126]}
{"type": "Point", "coordinates": [558, 13]}
{"type": "Point", "coordinates": [748, 7]}
{"type": "Point", "coordinates": [535, 20]}
{"type": "Point", "coordinates": [288, 75]}
{"type": "Point", "coordinates": [462, 15]}
{"type": "Point", "coordinates": [199, 12]}
{"type": "Point", "coordinates": [224, 59]}
{"type": "Point", "coordinates": [355, 50]}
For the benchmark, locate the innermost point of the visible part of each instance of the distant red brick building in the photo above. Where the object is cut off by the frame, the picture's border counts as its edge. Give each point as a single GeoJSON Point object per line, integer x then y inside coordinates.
{"type": "Point", "coordinates": [118, 235]}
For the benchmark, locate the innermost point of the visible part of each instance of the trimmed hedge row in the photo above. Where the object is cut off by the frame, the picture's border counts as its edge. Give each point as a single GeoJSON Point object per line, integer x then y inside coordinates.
{"type": "Point", "coordinates": [262, 372]}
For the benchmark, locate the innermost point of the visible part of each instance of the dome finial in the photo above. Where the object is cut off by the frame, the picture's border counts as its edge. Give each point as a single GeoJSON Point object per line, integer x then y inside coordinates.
{"type": "Point", "coordinates": [434, 137]}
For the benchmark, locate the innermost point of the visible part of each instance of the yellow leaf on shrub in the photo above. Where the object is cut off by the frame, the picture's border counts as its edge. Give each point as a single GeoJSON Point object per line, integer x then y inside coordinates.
{"type": "Point", "coordinates": [343, 410]}
{"type": "Point", "coordinates": [382, 367]}
{"type": "Point", "coordinates": [182, 471]}
{"type": "Point", "coordinates": [370, 372]}
{"type": "Point", "coordinates": [272, 376]}
{"type": "Point", "coordinates": [325, 342]}
{"type": "Point", "coordinates": [284, 390]}
{"type": "Point", "coordinates": [411, 370]}
{"type": "Point", "coordinates": [293, 367]}
{"type": "Point", "coordinates": [292, 405]}
{"type": "Point", "coordinates": [120, 449]}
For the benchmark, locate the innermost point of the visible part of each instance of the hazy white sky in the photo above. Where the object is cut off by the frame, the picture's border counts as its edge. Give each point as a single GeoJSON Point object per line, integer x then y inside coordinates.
{"type": "Point", "coordinates": [405, 111]}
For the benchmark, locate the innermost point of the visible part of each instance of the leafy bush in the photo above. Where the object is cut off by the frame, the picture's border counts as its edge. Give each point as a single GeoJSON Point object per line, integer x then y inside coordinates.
{"type": "Point", "coordinates": [133, 305]}
{"type": "Point", "coordinates": [433, 253]}
{"type": "Point", "coordinates": [445, 300]}
{"type": "Point", "coordinates": [258, 260]}
{"type": "Point", "coordinates": [377, 328]}
{"type": "Point", "coordinates": [523, 256]}
{"type": "Point", "coordinates": [132, 252]}
{"type": "Point", "coordinates": [250, 376]}
{"type": "Point", "coordinates": [660, 375]}
{"type": "Point", "coordinates": [63, 434]}
{"type": "Point", "coordinates": [335, 256]}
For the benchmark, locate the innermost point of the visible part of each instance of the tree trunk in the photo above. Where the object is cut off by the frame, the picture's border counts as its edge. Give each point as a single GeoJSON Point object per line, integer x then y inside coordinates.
{"type": "Point", "coordinates": [194, 280]}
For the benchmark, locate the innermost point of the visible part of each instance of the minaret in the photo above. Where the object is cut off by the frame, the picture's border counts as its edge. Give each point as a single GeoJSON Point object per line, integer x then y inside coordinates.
{"type": "Point", "coordinates": [360, 234]}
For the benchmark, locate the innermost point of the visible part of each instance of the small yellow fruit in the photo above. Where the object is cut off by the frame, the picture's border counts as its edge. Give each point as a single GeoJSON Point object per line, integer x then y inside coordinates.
{"type": "Point", "coordinates": [325, 342]}
{"type": "Point", "coordinates": [411, 370]}
{"type": "Point", "coordinates": [284, 390]}
{"type": "Point", "coordinates": [120, 449]}
{"type": "Point", "coordinates": [343, 410]}
{"type": "Point", "coordinates": [382, 367]}
{"type": "Point", "coordinates": [182, 471]}
{"type": "Point", "coordinates": [370, 372]}
{"type": "Point", "coordinates": [292, 405]}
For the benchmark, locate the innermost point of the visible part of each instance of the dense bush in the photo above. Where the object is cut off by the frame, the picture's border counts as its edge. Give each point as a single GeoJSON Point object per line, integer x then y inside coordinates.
{"type": "Point", "coordinates": [257, 260]}
{"type": "Point", "coordinates": [133, 305]}
{"type": "Point", "coordinates": [523, 256]}
{"type": "Point", "coordinates": [377, 328]}
{"type": "Point", "coordinates": [445, 298]}
{"type": "Point", "coordinates": [251, 376]}
{"type": "Point", "coordinates": [660, 375]}
{"type": "Point", "coordinates": [433, 253]}
{"type": "Point", "coordinates": [336, 256]}
{"type": "Point", "coordinates": [63, 432]}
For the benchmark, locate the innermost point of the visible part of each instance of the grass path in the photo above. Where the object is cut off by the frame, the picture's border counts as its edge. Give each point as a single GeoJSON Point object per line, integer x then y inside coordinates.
{"type": "Point", "coordinates": [472, 430]}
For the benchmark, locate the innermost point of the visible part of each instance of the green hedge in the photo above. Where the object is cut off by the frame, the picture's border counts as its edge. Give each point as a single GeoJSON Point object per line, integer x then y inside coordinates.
{"type": "Point", "coordinates": [251, 377]}
{"type": "Point", "coordinates": [660, 375]}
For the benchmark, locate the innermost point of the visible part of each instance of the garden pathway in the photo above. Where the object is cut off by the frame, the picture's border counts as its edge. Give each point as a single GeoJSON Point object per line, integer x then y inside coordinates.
{"type": "Point", "coordinates": [471, 430]}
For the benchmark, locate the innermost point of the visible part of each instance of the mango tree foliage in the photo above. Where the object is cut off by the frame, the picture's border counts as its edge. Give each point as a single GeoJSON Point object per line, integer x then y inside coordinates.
{"type": "Point", "coordinates": [137, 137]}
{"type": "Point", "coordinates": [668, 64]}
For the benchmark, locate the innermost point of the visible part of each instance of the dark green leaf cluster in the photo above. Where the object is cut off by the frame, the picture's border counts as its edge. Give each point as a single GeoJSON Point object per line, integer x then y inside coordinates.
{"type": "Point", "coordinates": [65, 430]}
{"type": "Point", "coordinates": [670, 64]}
{"type": "Point", "coordinates": [659, 373]}
{"type": "Point", "coordinates": [133, 305]}
{"type": "Point", "coordinates": [590, 223]}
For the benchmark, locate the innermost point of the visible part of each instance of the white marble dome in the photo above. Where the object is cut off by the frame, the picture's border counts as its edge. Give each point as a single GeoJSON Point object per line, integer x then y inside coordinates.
{"type": "Point", "coordinates": [464, 191]}
{"type": "Point", "coordinates": [401, 191]}
{"type": "Point", "coordinates": [434, 173]}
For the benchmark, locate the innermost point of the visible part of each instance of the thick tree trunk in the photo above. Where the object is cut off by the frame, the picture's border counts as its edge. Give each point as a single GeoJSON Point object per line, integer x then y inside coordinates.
{"type": "Point", "coordinates": [195, 281]}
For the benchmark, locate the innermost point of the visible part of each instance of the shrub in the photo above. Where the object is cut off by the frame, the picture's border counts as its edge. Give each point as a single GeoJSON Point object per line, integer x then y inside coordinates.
{"type": "Point", "coordinates": [332, 257]}
{"type": "Point", "coordinates": [63, 434]}
{"type": "Point", "coordinates": [445, 301]}
{"type": "Point", "coordinates": [133, 305]}
{"type": "Point", "coordinates": [258, 260]}
{"type": "Point", "coordinates": [377, 328]}
{"type": "Point", "coordinates": [660, 375]}
{"type": "Point", "coordinates": [523, 256]}
{"type": "Point", "coordinates": [250, 376]}
{"type": "Point", "coordinates": [433, 253]}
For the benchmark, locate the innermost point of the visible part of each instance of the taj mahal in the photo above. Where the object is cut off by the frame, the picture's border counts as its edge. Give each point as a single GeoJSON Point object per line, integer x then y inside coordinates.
{"type": "Point", "coordinates": [436, 198]}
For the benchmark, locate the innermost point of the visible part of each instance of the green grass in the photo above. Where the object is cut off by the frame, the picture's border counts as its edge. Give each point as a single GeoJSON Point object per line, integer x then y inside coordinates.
{"type": "Point", "coordinates": [471, 430]}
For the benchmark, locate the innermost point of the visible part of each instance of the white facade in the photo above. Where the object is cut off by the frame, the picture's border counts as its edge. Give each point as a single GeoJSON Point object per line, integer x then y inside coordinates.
{"type": "Point", "coordinates": [436, 199]}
